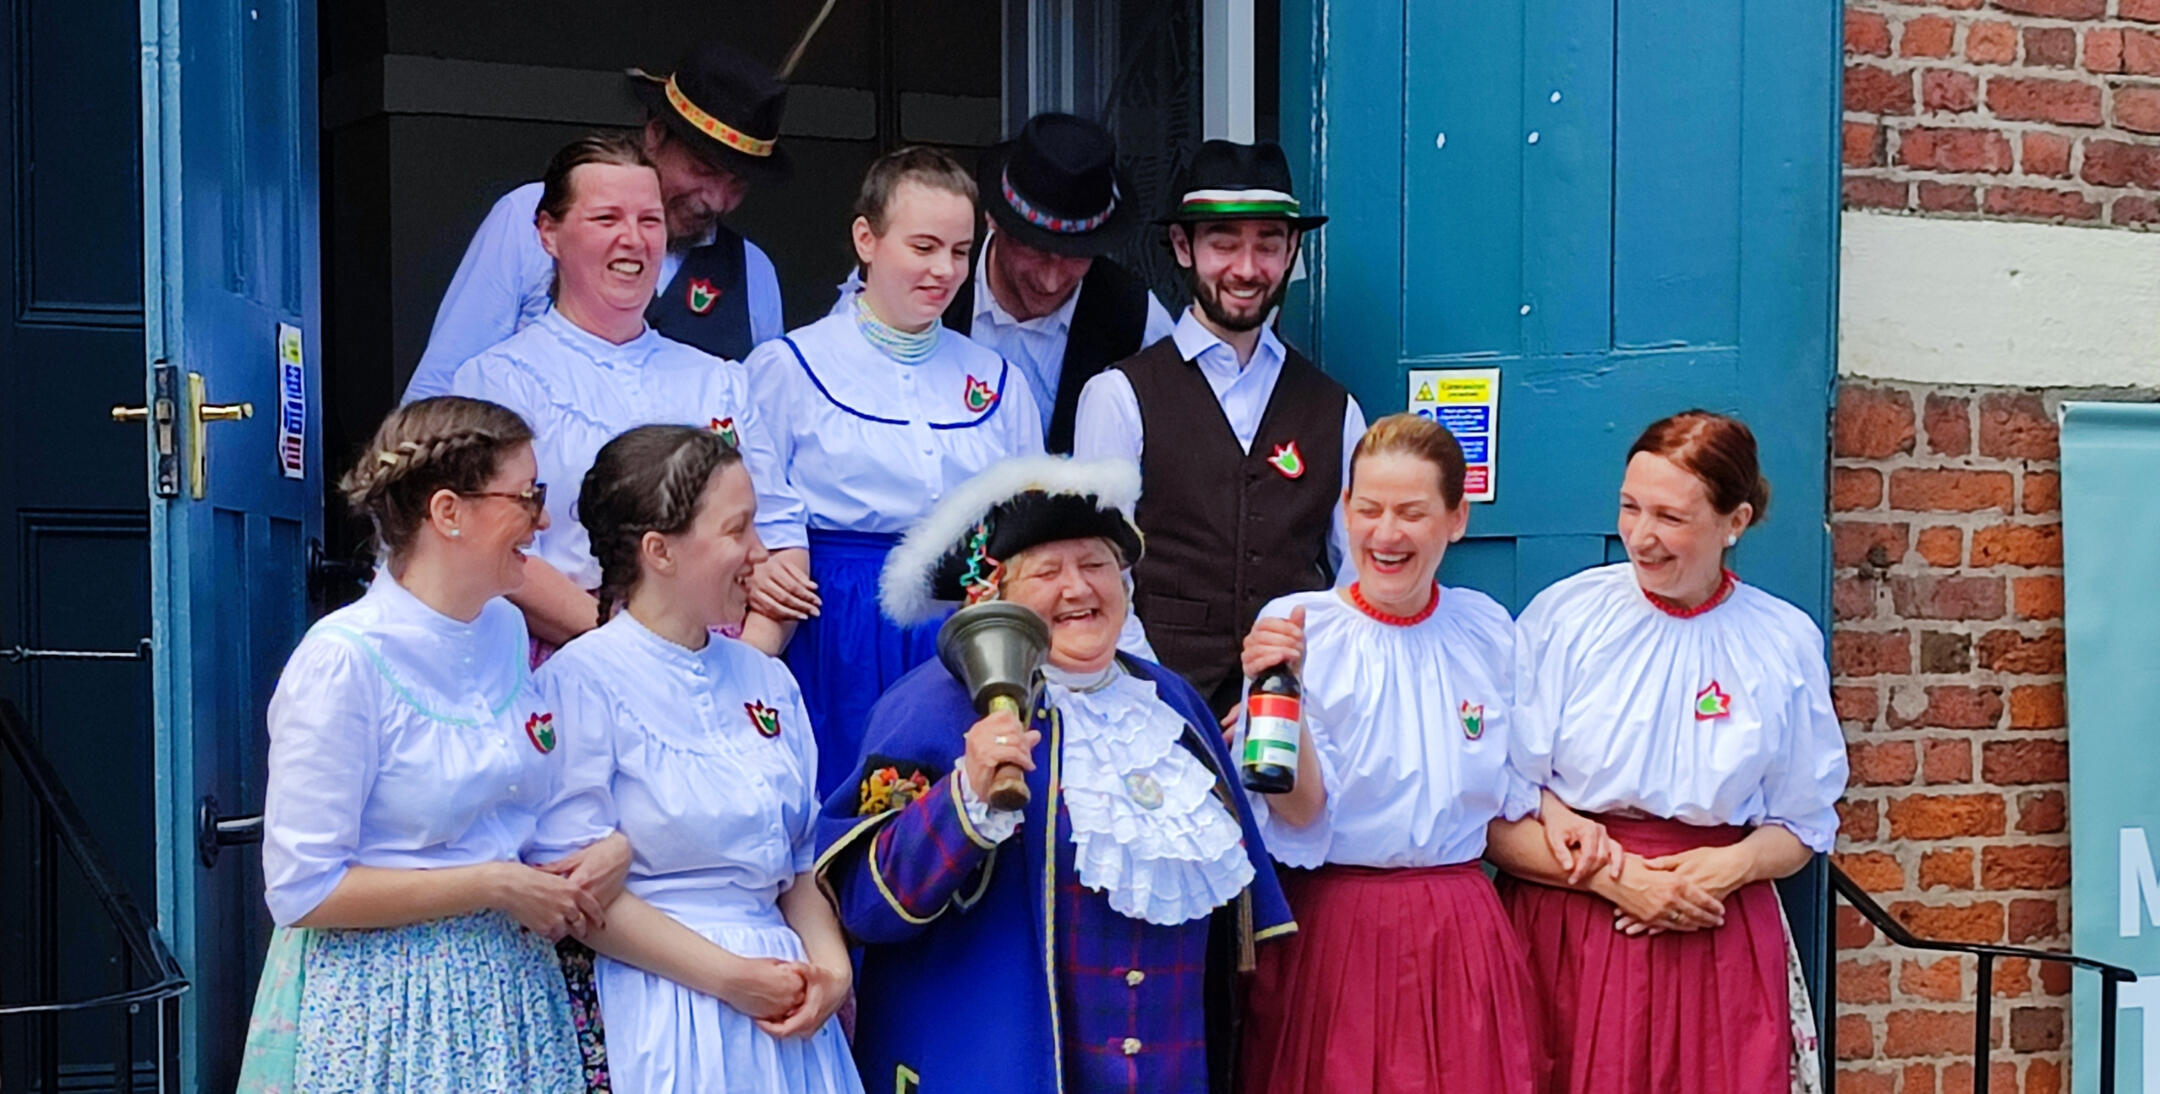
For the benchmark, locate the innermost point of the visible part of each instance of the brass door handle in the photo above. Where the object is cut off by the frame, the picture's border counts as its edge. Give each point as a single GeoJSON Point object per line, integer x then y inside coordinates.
{"type": "Point", "coordinates": [199, 436]}
{"type": "Point", "coordinates": [131, 414]}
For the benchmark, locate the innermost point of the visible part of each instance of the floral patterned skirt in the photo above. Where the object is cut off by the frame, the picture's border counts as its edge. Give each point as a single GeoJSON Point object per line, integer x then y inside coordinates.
{"type": "Point", "coordinates": [469, 1003]}
{"type": "Point", "coordinates": [577, 971]}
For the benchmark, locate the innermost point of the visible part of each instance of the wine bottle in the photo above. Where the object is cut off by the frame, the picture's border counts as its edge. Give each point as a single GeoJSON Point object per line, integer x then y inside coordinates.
{"type": "Point", "coordinates": [1274, 714]}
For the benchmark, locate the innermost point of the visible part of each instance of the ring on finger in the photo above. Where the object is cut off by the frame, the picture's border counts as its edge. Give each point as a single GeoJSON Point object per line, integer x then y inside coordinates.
{"type": "Point", "coordinates": [1673, 916]}
{"type": "Point", "coordinates": [998, 740]}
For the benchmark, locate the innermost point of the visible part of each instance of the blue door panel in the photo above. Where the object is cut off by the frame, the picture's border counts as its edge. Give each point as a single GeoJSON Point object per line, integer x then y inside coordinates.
{"type": "Point", "coordinates": [1564, 144]}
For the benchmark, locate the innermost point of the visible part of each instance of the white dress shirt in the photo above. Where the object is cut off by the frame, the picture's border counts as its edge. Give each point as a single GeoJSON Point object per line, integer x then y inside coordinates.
{"type": "Point", "coordinates": [502, 286]}
{"type": "Point", "coordinates": [578, 390]}
{"type": "Point", "coordinates": [1723, 718]}
{"type": "Point", "coordinates": [857, 441]}
{"type": "Point", "coordinates": [405, 739]}
{"type": "Point", "coordinates": [1107, 425]}
{"type": "Point", "coordinates": [1411, 728]}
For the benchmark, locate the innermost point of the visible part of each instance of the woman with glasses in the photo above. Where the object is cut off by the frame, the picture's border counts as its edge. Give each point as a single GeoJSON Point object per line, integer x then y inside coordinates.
{"type": "Point", "coordinates": [590, 368]}
{"type": "Point", "coordinates": [410, 760]}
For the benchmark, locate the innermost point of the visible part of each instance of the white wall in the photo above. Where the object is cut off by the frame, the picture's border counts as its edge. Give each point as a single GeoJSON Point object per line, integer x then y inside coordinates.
{"type": "Point", "coordinates": [1932, 300]}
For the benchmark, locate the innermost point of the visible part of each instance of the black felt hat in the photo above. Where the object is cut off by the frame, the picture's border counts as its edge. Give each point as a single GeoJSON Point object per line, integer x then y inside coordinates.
{"type": "Point", "coordinates": [1056, 187]}
{"type": "Point", "coordinates": [1011, 506]}
{"type": "Point", "coordinates": [725, 106]}
{"type": "Point", "coordinates": [1230, 181]}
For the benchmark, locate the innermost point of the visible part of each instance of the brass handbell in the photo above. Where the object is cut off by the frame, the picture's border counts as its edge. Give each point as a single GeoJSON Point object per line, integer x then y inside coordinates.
{"type": "Point", "coordinates": [995, 650]}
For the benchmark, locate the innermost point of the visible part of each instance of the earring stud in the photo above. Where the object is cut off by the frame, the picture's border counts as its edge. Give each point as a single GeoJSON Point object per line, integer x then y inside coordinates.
{"type": "Point", "coordinates": [1729, 540]}
{"type": "Point", "coordinates": [455, 533]}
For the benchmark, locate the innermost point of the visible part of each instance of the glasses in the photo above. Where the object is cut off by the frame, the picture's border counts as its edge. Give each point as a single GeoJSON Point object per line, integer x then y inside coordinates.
{"type": "Point", "coordinates": [533, 498]}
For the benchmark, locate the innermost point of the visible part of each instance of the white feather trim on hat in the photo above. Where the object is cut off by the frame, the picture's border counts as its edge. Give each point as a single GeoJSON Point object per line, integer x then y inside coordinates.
{"type": "Point", "coordinates": [904, 584]}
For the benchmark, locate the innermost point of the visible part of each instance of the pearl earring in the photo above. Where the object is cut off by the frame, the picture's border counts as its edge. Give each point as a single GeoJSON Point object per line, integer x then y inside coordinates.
{"type": "Point", "coordinates": [1729, 540]}
{"type": "Point", "coordinates": [455, 533]}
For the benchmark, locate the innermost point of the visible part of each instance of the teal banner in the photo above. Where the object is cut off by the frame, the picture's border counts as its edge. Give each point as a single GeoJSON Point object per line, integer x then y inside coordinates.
{"type": "Point", "coordinates": [2111, 609]}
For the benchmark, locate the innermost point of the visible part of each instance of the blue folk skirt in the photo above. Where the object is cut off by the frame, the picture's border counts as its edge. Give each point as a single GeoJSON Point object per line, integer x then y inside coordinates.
{"type": "Point", "coordinates": [850, 653]}
{"type": "Point", "coordinates": [469, 1003]}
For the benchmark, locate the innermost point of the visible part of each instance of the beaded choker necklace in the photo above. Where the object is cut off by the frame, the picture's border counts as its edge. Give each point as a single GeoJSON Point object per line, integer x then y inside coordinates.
{"type": "Point", "coordinates": [1724, 589]}
{"type": "Point", "coordinates": [902, 346]}
{"type": "Point", "coordinates": [1357, 597]}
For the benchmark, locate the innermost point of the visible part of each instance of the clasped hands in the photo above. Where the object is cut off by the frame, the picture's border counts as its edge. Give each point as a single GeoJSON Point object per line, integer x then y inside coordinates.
{"type": "Point", "coordinates": [1678, 892]}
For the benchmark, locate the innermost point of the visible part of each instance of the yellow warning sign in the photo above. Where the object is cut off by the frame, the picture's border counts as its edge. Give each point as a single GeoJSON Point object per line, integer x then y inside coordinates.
{"type": "Point", "coordinates": [1424, 393]}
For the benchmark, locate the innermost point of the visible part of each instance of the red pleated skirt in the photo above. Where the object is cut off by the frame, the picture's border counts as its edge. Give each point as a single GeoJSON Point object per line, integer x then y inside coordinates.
{"type": "Point", "coordinates": [1396, 980]}
{"type": "Point", "coordinates": [1698, 1012]}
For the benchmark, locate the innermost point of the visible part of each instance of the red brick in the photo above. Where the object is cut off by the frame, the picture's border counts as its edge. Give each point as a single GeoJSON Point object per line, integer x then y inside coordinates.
{"type": "Point", "coordinates": [2056, 9]}
{"type": "Point", "coordinates": [1858, 819]}
{"type": "Point", "coordinates": [2103, 50]}
{"type": "Point", "coordinates": [1853, 1080]}
{"type": "Point", "coordinates": [2014, 763]}
{"type": "Point", "coordinates": [1853, 542]}
{"type": "Point", "coordinates": [1861, 488]}
{"type": "Point", "coordinates": [2141, 52]}
{"type": "Point", "coordinates": [1855, 704]}
{"type": "Point", "coordinates": [2025, 866]}
{"type": "Point", "coordinates": [2045, 154]}
{"type": "Point", "coordinates": [2144, 11]}
{"type": "Point", "coordinates": [1861, 982]}
{"type": "Point", "coordinates": [1947, 869]}
{"type": "Point", "coordinates": [1870, 653]}
{"type": "Point", "coordinates": [2013, 977]}
{"type": "Point", "coordinates": [1852, 598]}
{"type": "Point", "coordinates": [2055, 979]}
{"type": "Point", "coordinates": [1943, 653]}
{"type": "Point", "coordinates": [1949, 490]}
{"type": "Point", "coordinates": [2017, 545]}
{"type": "Point", "coordinates": [2064, 102]}
{"type": "Point", "coordinates": [1870, 89]}
{"type": "Point", "coordinates": [1991, 43]}
{"type": "Point", "coordinates": [1978, 922]}
{"type": "Point", "coordinates": [1868, 193]}
{"type": "Point", "coordinates": [1874, 871]}
{"type": "Point", "coordinates": [2045, 1076]}
{"type": "Point", "coordinates": [2002, 1074]}
{"type": "Point", "coordinates": [2038, 706]}
{"type": "Point", "coordinates": [1947, 816]}
{"type": "Point", "coordinates": [1918, 1079]}
{"type": "Point", "coordinates": [1941, 545]}
{"type": "Point", "coordinates": [1873, 423]}
{"type": "Point", "coordinates": [2036, 1029]}
{"type": "Point", "coordinates": [2114, 163]}
{"type": "Point", "coordinates": [1866, 33]}
{"type": "Point", "coordinates": [1926, 36]}
{"type": "Point", "coordinates": [1922, 597]}
{"type": "Point", "coordinates": [1964, 151]}
{"type": "Point", "coordinates": [2011, 652]}
{"type": "Point", "coordinates": [1863, 145]}
{"type": "Point", "coordinates": [1891, 763]}
{"type": "Point", "coordinates": [1938, 981]}
{"type": "Point", "coordinates": [2041, 812]}
{"type": "Point", "coordinates": [1855, 1037]}
{"type": "Point", "coordinates": [1954, 706]}
{"type": "Point", "coordinates": [1947, 421]}
{"type": "Point", "coordinates": [2017, 426]}
{"type": "Point", "coordinates": [2134, 210]}
{"type": "Point", "coordinates": [2032, 920]}
{"type": "Point", "coordinates": [1937, 197]}
{"type": "Point", "coordinates": [2051, 47]}
{"type": "Point", "coordinates": [1909, 1033]}
{"type": "Point", "coordinates": [2043, 492]}
{"type": "Point", "coordinates": [2138, 109]}
{"type": "Point", "coordinates": [2036, 597]}
{"type": "Point", "coordinates": [2032, 201]}
{"type": "Point", "coordinates": [1946, 761]}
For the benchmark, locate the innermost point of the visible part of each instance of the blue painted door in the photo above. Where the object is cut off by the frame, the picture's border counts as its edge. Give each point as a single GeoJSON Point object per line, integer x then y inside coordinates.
{"type": "Point", "coordinates": [229, 151]}
{"type": "Point", "coordinates": [1627, 208]}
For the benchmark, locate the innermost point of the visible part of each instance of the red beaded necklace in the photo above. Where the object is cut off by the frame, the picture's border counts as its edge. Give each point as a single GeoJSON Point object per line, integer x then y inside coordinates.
{"type": "Point", "coordinates": [1724, 589]}
{"type": "Point", "coordinates": [1357, 597]}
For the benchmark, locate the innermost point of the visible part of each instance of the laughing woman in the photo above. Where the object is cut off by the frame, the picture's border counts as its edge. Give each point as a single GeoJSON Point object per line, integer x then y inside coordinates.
{"type": "Point", "coordinates": [1406, 975]}
{"type": "Point", "coordinates": [1690, 713]}
{"type": "Point", "coordinates": [697, 748]}
{"type": "Point", "coordinates": [410, 760]}
{"type": "Point", "coordinates": [875, 413]}
{"type": "Point", "coordinates": [590, 367]}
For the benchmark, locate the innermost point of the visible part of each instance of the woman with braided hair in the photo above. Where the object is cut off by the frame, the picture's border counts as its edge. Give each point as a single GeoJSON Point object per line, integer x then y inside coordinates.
{"type": "Point", "coordinates": [410, 760]}
{"type": "Point", "coordinates": [722, 963]}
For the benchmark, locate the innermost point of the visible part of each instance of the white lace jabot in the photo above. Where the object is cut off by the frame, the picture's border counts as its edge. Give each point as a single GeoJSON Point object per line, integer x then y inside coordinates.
{"type": "Point", "coordinates": [1148, 831]}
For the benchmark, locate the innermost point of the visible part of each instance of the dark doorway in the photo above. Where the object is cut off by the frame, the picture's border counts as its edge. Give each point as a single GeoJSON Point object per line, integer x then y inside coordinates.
{"type": "Point", "coordinates": [74, 529]}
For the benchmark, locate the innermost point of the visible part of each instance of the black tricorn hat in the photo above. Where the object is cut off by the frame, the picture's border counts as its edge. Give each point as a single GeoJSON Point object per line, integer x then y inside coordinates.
{"type": "Point", "coordinates": [725, 106]}
{"type": "Point", "coordinates": [1056, 187]}
{"type": "Point", "coordinates": [1011, 506]}
{"type": "Point", "coordinates": [1230, 181]}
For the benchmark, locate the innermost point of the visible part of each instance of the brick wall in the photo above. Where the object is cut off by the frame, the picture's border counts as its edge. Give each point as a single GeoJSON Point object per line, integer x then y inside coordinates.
{"type": "Point", "coordinates": [1947, 654]}
{"type": "Point", "coordinates": [2010, 109]}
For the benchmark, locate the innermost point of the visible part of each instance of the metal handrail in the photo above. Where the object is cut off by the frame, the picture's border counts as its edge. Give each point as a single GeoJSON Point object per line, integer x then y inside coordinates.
{"type": "Point", "coordinates": [1985, 953]}
{"type": "Point", "coordinates": [142, 940]}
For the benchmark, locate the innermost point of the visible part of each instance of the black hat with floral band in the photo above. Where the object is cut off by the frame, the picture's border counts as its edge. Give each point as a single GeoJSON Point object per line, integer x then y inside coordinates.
{"type": "Point", "coordinates": [725, 106]}
{"type": "Point", "coordinates": [1231, 181]}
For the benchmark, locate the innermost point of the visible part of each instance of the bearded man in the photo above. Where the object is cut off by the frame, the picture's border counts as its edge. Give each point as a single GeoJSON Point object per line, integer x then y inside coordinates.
{"type": "Point", "coordinates": [1243, 444]}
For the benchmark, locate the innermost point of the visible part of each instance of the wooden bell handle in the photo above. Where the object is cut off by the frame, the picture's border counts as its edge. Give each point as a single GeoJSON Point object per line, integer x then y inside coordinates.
{"type": "Point", "coordinates": [1008, 784]}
